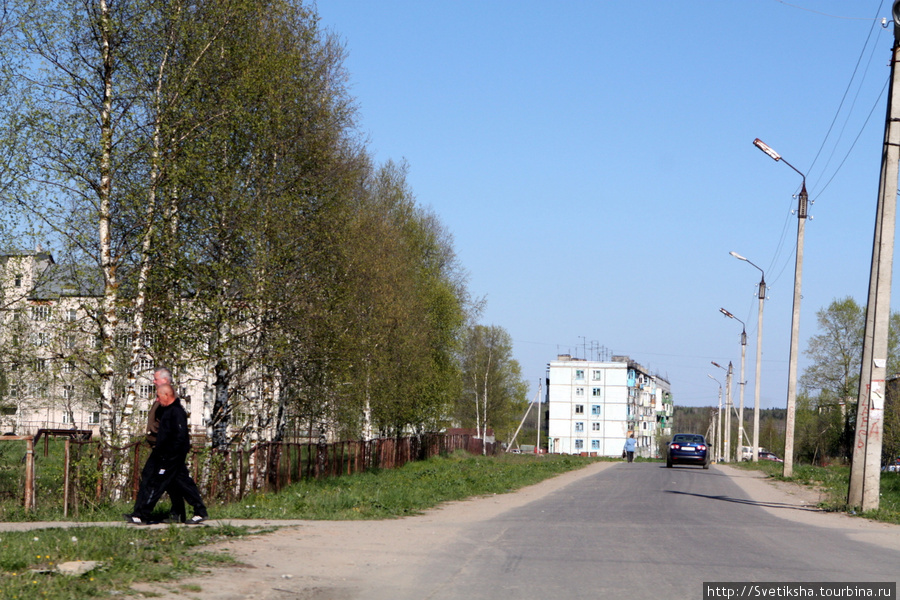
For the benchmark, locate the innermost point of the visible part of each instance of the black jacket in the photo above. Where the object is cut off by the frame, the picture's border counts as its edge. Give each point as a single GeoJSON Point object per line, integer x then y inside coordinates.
{"type": "Point", "coordinates": [173, 441]}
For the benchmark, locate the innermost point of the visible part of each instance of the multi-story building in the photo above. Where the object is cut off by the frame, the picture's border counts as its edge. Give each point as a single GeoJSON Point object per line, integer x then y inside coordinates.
{"type": "Point", "coordinates": [48, 343]}
{"type": "Point", "coordinates": [594, 406]}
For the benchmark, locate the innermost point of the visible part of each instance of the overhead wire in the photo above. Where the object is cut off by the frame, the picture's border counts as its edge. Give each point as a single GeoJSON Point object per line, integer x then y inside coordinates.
{"type": "Point", "coordinates": [847, 90]}
{"type": "Point", "coordinates": [775, 271]}
{"type": "Point", "coordinates": [779, 271]}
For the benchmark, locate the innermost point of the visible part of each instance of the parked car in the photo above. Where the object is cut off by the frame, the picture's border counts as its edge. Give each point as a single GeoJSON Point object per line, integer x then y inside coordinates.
{"type": "Point", "coordinates": [766, 455]}
{"type": "Point", "coordinates": [747, 452]}
{"type": "Point", "coordinates": [688, 449]}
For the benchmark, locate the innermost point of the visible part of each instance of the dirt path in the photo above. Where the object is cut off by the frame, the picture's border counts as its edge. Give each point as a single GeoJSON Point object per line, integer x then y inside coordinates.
{"type": "Point", "coordinates": [340, 560]}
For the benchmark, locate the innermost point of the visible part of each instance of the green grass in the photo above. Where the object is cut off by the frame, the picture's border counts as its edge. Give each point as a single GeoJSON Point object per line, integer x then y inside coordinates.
{"type": "Point", "coordinates": [404, 491]}
{"type": "Point", "coordinates": [135, 554]}
{"type": "Point", "coordinates": [127, 555]}
{"type": "Point", "coordinates": [834, 481]}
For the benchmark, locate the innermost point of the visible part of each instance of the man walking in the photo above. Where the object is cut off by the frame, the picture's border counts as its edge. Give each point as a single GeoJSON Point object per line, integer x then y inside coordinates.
{"type": "Point", "coordinates": [166, 465]}
{"type": "Point", "coordinates": [177, 513]}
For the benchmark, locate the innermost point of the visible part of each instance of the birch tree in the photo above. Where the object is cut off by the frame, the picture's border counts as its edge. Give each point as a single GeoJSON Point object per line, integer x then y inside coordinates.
{"type": "Point", "coordinates": [494, 391]}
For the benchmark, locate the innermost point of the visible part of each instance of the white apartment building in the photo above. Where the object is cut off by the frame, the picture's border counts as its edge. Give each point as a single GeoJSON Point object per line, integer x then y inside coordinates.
{"type": "Point", "coordinates": [594, 406]}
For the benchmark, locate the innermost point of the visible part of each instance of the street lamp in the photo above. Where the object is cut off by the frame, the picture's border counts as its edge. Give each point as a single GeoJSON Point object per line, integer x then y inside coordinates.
{"type": "Point", "coordinates": [802, 205]}
{"type": "Point", "coordinates": [726, 438]}
{"type": "Point", "coordinates": [718, 426]}
{"type": "Point", "coordinates": [743, 381]}
{"type": "Point", "coordinates": [759, 324]}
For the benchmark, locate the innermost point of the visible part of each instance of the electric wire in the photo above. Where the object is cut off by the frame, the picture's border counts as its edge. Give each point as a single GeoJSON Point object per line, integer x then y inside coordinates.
{"type": "Point", "coordinates": [847, 91]}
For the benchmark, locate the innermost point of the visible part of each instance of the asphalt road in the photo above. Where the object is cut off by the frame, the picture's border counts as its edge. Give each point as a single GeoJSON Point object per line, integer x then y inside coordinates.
{"type": "Point", "coordinates": [645, 531]}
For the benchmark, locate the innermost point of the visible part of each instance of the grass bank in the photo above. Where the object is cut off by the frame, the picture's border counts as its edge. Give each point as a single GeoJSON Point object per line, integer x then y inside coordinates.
{"type": "Point", "coordinates": [834, 481]}
{"type": "Point", "coordinates": [131, 554]}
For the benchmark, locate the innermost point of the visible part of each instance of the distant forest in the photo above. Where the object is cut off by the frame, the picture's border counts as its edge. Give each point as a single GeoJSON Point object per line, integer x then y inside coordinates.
{"type": "Point", "coordinates": [699, 419]}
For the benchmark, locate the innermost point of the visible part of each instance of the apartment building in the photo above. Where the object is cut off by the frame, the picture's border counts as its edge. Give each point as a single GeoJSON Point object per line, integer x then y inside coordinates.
{"type": "Point", "coordinates": [48, 347]}
{"type": "Point", "coordinates": [594, 406]}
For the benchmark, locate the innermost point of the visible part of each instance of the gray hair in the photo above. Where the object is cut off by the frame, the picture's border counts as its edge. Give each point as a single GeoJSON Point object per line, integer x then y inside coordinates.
{"type": "Point", "coordinates": [166, 374]}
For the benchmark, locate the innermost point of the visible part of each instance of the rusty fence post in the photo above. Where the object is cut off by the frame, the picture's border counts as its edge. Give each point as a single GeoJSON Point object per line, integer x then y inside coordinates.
{"type": "Point", "coordinates": [67, 462]}
{"type": "Point", "coordinates": [29, 474]}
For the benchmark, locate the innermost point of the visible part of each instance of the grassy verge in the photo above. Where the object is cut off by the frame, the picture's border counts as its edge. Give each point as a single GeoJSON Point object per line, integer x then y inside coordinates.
{"type": "Point", "coordinates": [133, 554]}
{"type": "Point", "coordinates": [405, 491]}
{"type": "Point", "coordinates": [125, 555]}
{"type": "Point", "coordinates": [834, 481]}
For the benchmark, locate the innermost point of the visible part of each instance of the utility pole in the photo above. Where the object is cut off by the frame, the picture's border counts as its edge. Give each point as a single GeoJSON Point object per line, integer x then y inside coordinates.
{"type": "Point", "coordinates": [865, 471]}
{"type": "Point", "coordinates": [802, 206]}
{"type": "Point", "coordinates": [728, 409]}
{"type": "Point", "coordinates": [537, 448]}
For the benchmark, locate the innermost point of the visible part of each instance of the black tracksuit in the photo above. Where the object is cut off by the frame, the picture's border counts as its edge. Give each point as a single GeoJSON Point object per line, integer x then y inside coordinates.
{"type": "Point", "coordinates": [165, 468]}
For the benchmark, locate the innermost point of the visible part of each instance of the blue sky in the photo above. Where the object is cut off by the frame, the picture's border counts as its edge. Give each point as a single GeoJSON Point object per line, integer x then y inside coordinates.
{"type": "Point", "coordinates": [594, 163]}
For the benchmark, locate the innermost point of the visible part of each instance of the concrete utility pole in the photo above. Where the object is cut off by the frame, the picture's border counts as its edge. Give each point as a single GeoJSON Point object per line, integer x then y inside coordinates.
{"type": "Point", "coordinates": [759, 324]}
{"type": "Point", "coordinates": [728, 409]}
{"type": "Point", "coordinates": [865, 471]}
{"type": "Point", "coordinates": [726, 436]}
{"type": "Point", "coordinates": [718, 420]}
{"type": "Point", "coordinates": [802, 205]}
{"type": "Point", "coordinates": [740, 441]}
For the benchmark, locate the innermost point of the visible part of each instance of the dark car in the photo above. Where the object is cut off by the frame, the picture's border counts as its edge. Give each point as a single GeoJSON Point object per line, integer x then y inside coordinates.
{"type": "Point", "coordinates": [688, 449]}
{"type": "Point", "coordinates": [765, 455]}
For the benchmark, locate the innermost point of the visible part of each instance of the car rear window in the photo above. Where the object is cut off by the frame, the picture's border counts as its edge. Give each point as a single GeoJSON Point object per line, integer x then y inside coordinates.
{"type": "Point", "coordinates": [688, 439]}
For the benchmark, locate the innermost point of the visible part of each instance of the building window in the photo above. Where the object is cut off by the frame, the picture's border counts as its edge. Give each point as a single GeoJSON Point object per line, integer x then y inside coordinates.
{"type": "Point", "coordinates": [595, 444]}
{"type": "Point", "coordinates": [595, 410]}
{"type": "Point", "coordinates": [70, 342]}
{"type": "Point", "coordinates": [579, 426]}
{"type": "Point", "coordinates": [19, 280]}
{"type": "Point", "coordinates": [40, 338]}
{"type": "Point", "coordinates": [68, 392]}
{"type": "Point", "coordinates": [595, 426]}
{"type": "Point", "coordinates": [579, 391]}
{"type": "Point", "coordinates": [72, 315]}
{"type": "Point", "coordinates": [146, 364]}
{"type": "Point", "coordinates": [579, 444]}
{"type": "Point", "coordinates": [596, 392]}
{"type": "Point", "coordinates": [66, 417]}
{"type": "Point", "coordinates": [145, 390]}
{"type": "Point", "coordinates": [94, 417]}
{"type": "Point", "coordinates": [68, 366]}
{"type": "Point", "coordinates": [579, 409]}
{"type": "Point", "coordinates": [40, 365]}
{"type": "Point", "coordinates": [595, 375]}
{"type": "Point", "coordinates": [579, 374]}
{"type": "Point", "coordinates": [14, 391]}
{"type": "Point", "coordinates": [41, 312]}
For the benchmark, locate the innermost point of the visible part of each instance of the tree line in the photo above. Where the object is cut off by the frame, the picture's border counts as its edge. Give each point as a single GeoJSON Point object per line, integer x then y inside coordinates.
{"type": "Point", "coordinates": [825, 420]}
{"type": "Point", "coordinates": [197, 164]}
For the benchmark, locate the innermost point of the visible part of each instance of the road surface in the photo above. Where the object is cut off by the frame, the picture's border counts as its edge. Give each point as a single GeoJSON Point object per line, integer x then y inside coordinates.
{"type": "Point", "coordinates": [612, 530]}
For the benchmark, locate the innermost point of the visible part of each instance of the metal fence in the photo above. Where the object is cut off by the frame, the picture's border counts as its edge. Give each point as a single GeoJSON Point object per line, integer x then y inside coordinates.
{"type": "Point", "coordinates": [67, 471]}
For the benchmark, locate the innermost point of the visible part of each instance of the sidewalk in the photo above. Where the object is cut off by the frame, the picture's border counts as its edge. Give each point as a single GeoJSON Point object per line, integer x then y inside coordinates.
{"type": "Point", "coordinates": [254, 523]}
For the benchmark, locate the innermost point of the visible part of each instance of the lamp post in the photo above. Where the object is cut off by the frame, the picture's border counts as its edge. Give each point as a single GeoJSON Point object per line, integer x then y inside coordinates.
{"type": "Point", "coordinates": [743, 360]}
{"type": "Point", "coordinates": [759, 324]}
{"type": "Point", "coordinates": [717, 429]}
{"type": "Point", "coordinates": [802, 204]}
{"type": "Point", "coordinates": [726, 438]}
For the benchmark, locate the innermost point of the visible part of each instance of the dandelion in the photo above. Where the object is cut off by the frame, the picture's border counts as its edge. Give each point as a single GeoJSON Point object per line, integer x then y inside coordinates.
{"type": "Point", "coordinates": [74, 539]}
